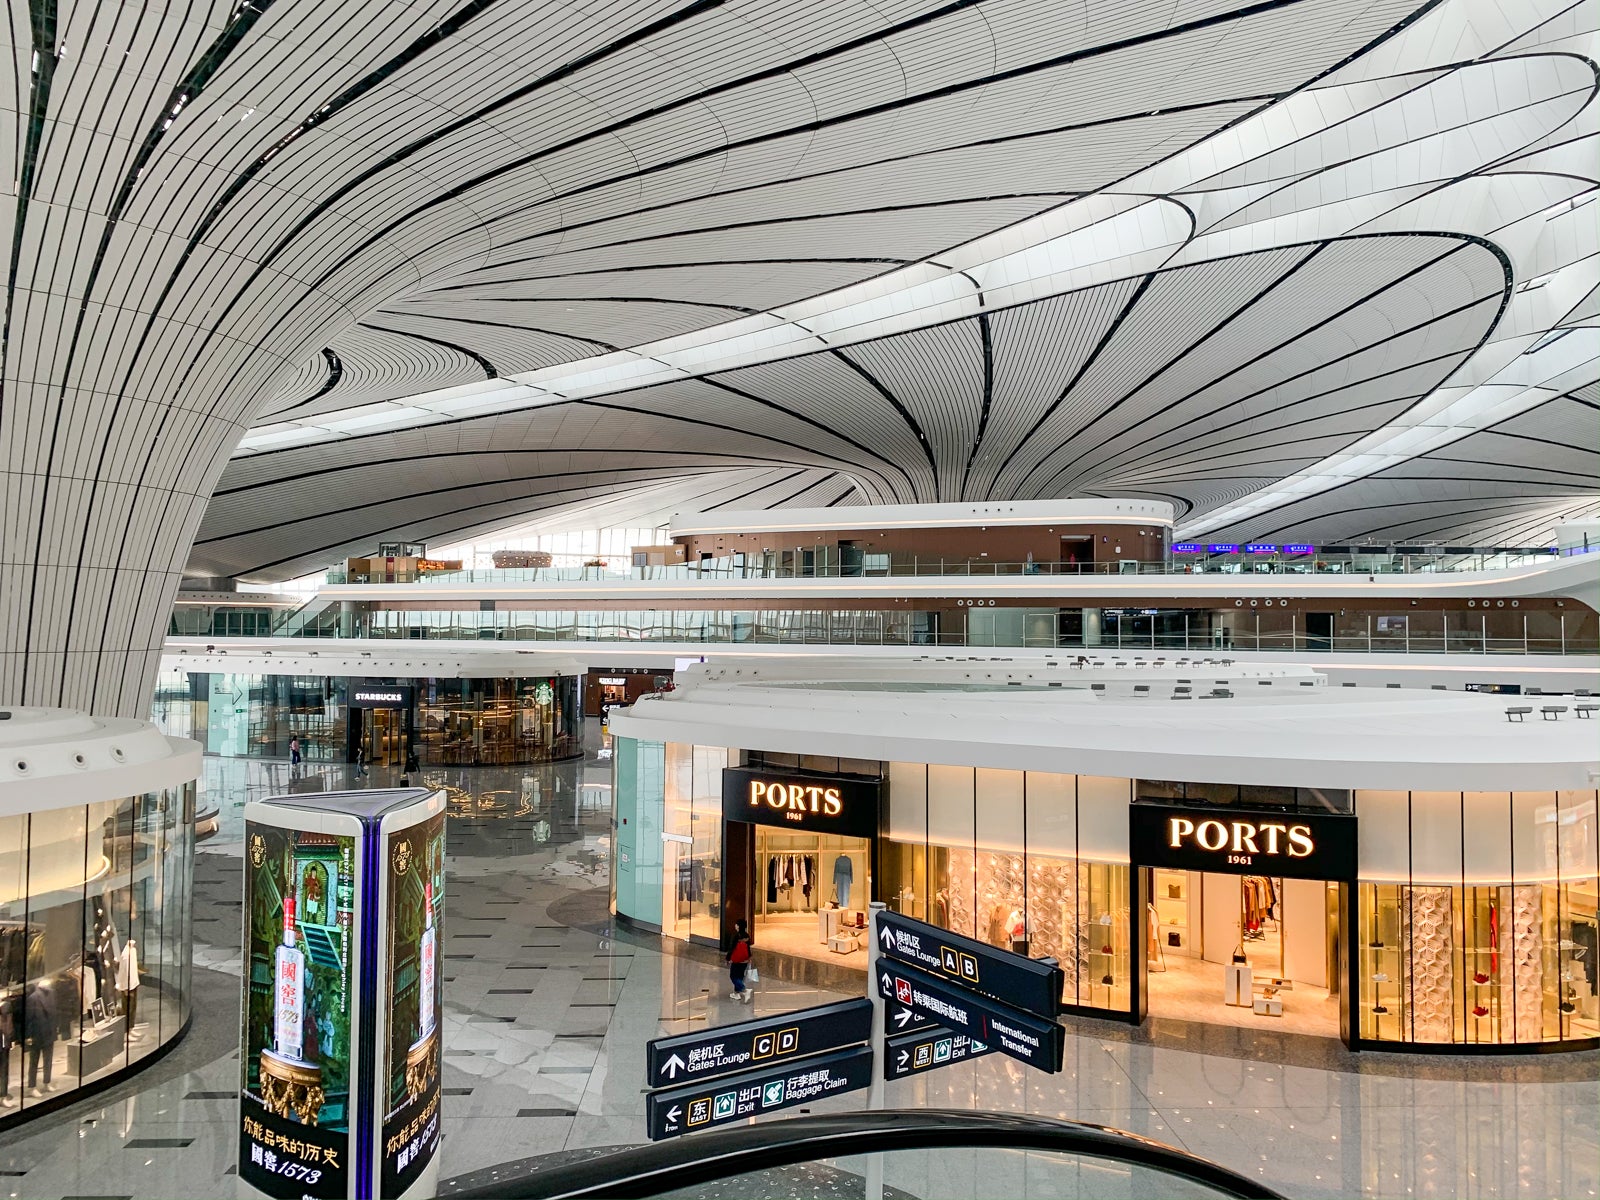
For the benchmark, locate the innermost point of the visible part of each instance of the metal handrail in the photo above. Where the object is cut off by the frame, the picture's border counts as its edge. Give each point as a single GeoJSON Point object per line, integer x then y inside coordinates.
{"type": "Point", "coordinates": [719, 1155]}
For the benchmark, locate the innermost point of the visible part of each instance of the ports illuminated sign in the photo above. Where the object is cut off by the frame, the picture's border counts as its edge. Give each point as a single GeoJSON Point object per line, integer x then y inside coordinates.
{"type": "Point", "coordinates": [1299, 845]}
{"type": "Point", "coordinates": [796, 800]}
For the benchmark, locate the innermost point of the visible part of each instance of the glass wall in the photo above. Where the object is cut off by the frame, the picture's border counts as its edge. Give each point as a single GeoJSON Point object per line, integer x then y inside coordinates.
{"type": "Point", "coordinates": [95, 939]}
{"type": "Point", "coordinates": [1477, 917]}
{"type": "Point", "coordinates": [638, 784]}
{"type": "Point", "coordinates": [498, 722]}
{"type": "Point", "coordinates": [1026, 860]}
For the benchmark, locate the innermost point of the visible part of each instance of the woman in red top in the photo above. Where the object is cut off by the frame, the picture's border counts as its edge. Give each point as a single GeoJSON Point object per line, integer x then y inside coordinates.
{"type": "Point", "coordinates": [739, 962]}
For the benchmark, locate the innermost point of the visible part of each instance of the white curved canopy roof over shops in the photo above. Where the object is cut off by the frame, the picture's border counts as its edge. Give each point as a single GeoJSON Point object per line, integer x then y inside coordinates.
{"type": "Point", "coordinates": [285, 278]}
{"type": "Point", "coordinates": [1275, 726]}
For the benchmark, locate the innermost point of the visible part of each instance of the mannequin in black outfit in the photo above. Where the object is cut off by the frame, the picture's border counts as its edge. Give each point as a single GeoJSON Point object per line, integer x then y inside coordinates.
{"type": "Point", "coordinates": [39, 1023]}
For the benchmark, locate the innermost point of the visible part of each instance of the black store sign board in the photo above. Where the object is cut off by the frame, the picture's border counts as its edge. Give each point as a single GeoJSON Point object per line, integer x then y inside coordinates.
{"type": "Point", "coordinates": [379, 695]}
{"type": "Point", "coordinates": [794, 800]}
{"type": "Point", "coordinates": [913, 1053]}
{"type": "Point", "coordinates": [1037, 1041]}
{"type": "Point", "coordinates": [714, 1102]}
{"type": "Point", "coordinates": [1295, 845]}
{"type": "Point", "coordinates": [1013, 979]}
{"type": "Point", "coordinates": [773, 1041]}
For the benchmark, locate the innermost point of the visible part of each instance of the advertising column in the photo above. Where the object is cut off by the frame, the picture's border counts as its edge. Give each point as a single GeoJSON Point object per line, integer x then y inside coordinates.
{"type": "Point", "coordinates": [341, 1044]}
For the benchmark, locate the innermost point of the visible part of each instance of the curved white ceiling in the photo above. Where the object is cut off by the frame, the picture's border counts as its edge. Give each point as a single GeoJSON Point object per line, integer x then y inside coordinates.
{"type": "Point", "coordinates": [286, 278]}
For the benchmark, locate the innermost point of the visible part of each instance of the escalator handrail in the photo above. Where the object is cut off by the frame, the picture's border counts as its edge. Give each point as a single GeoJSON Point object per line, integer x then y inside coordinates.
{"type": "Point", "coordinates": [722, 1154]}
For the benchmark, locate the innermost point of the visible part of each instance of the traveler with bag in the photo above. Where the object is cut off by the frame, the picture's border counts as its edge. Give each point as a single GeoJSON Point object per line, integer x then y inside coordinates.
{"type": "Point", "coordinates": [739, 963]}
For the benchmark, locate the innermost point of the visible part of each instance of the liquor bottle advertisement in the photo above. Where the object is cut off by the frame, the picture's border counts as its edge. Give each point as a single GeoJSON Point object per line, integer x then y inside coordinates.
{"type": "Point", "coordinates": [414, 862]}
{"type": "Point", "coordinates": [295, 1086]}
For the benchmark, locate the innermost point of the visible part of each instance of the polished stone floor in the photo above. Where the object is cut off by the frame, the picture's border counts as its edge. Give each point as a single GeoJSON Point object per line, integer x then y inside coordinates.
{"type": "Point", "coordinates": [548, 1008]}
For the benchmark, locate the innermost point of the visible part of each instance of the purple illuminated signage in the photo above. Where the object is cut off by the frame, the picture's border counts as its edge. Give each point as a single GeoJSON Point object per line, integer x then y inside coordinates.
{"type": "Point", "coordinates": [1261, 548]}
{"type": "Point", "coordinates": [1223, 547]}
{"type": "Point", "coordinates": [1299, 548]}
{"type": "Point", "coordinates": [1188, 548]}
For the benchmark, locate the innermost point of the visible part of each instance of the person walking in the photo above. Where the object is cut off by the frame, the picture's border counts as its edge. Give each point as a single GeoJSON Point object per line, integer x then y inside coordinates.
{"type": "Point", "coordinates": [739, 962]}
{"type": "Point", "coordinates": [361, 760]}
{"type": "Point", "coordinates": [294, 756]}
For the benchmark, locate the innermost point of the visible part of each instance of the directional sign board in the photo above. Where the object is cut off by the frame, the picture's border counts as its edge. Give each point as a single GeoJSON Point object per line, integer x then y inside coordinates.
{"type": "Point", "coordinates": [933, 1047]}
{"type": "Point", "coordinates": [899, 1019]}
{"type": "Point", "coordinates": [1037, 1041]}
{"type": "Point", "coordinates": [707, 1053]}
{"type": "Point", "coordinates": [714, 1102]}
{"type": "Point", "coordinates": [1013, 979]}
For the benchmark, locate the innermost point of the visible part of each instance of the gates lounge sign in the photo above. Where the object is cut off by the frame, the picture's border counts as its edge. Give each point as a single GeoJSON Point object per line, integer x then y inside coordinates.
{"type": "Point", "coordinates": [795, 800]}
{"type": "Point", "coordinates": [1295, 844]}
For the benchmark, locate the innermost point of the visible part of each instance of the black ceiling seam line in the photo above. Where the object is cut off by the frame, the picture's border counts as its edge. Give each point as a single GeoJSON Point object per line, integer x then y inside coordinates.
{"type": "Point", "coordinates": [1505, 300]}
{"type": "Point", "coordinates": [871, 110]}
{"type": "Point", "coordinates": [722, 385]}
{"type": "Point", "coordinates": [1247, 305]}
{"type": "Point", "coordinates": [1106, 336]}
{"type": "Point", "coordinates": [761, 487]}
{"type": "Point", "coordinates": [1120, 459]}
{"type": "Point", "coordinates": [1486, 501]}
{"type": "Point", "coordinates": [1324, 168]}
{"type": "Point", "coordinates": [309, 551]}
{"type": "Point", "coordinates": [796, 495]}
{"type": "Point", "coordinates": [815, 259]}
{"type": "Point", "coordinates": [335, 373]}
{"type": "Point", "coordinates": [741, 309]}
{"type": "Point", "coordinates": [367, 464]}
{"type": "Point", "coordinates": [1506, 513]}
{"type": "Point", "coordinates": [1393, 31]}
{"type": "Point", "coordinates": [1496, 431]}
{"type": "Point", "coordinates": [627, 41]}
{"type": "Point", "coordinates": [42, 34]}
{"type": "Point", "coordinates": [504, 481]}
{"type": "Point", "coordinates": [193, 83]}
{"type": "Point", "coordinates": [986, 339]}
{"type": "Point", "coordinates": [438, 34]}
{"type": "Point", "coordinates": [876, 385]}
{"type": "Point", "coordinates": [1346, 386]}
{"type": "Point", "coordinates": [845, 463]}
{"type": "Point", "coordinates": [441, 31]}
{"type": "Point", "coordinates": [1386, 35]}
{"type": "Point", "coordinates": [1365, 299]}
{"type": "Point", "coordinates": [571, 337]}
{"type": "Point", "coordinates": [483, 363]}
{"type": "Point", "coordinates": [952, 148]}
{"type": "Point", "coordinates": [1221, 448]}
{"type": "Point", "coordinates": [1490, 55]}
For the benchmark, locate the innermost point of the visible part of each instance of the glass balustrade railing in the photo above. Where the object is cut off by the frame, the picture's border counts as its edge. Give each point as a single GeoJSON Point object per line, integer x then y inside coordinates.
{"type": "Point", "coordinates": [933, 567]}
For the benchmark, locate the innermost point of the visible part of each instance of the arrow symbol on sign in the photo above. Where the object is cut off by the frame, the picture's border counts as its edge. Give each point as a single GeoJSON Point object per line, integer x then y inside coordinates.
{"type": "Point", "coordinates": [903, 1057]}
{"type": "Point", "coordinates": [886, 936]}
{"type": "Point", "coordinates": [672, 1114]}
{"type": "Point", "coordinates": [903, 1017]}
{"type": "Point", "coordinates": [888, 984]}
{"type": "Point", "coordinates": [673, 1065]}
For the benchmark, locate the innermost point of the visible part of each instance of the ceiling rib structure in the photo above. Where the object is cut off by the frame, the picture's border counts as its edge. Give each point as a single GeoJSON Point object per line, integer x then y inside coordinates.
{"type": "Point", "coordinates": [287, 278]}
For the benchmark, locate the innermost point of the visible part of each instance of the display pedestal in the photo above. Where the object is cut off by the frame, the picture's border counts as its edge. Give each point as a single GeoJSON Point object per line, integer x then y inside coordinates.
{"type": "Point", "coordinates": [99, 1049]}
{"type": "Point", "coordinates": [828, 922]}
{"type": "Point", "coordinates": [1238, 984]}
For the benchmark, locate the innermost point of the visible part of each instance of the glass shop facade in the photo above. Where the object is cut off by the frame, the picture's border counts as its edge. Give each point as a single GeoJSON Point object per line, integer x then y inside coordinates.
{"type": "Point", "coordinates": [96, 929]}
{"type": "Point", "coordinates": [396, 722]}
{"type": "Point", "coordinates": [1405, 920]}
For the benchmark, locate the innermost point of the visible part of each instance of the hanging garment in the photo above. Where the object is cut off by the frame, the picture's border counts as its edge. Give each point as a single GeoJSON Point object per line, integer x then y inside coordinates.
{"type": "Point", "coordinates": [844, 873]}
{"type": "Point", "coordinates": [808, 873]}
{"type": "Point", "coordinates": [128, 967]}
{"type": "Point", "coordinates": [772, 879]}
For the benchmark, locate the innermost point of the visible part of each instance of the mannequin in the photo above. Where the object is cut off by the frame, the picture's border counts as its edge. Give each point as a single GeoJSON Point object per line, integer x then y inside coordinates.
{"type": "Point", "coordinates": [1017, 932]}
{"type": "Point", "coordinates": [39, 1024]}
{"type": "Point", "coordinates": [128, 981]}
{"type": "Point", "coordinates": [10, 1030]}
{"type": "Point", "coordinates": [844, 873]}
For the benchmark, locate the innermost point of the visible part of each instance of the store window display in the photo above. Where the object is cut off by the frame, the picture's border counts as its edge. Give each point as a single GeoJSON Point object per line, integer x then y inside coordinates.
{"type": "Point", "coordinates": [94, 940]}
{"type": "Point", "coordinates": [1487, 934]}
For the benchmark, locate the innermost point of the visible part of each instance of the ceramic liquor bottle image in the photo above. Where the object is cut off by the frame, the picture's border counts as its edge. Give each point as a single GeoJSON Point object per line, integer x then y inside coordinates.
{"type": "Point", "coordinates": [289, 995]}
{"type": "Point", "coordinates": [426, 960]}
